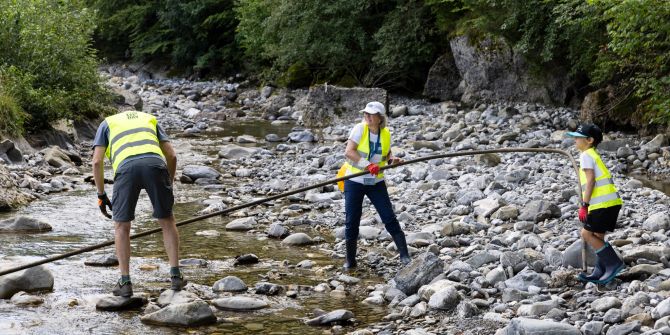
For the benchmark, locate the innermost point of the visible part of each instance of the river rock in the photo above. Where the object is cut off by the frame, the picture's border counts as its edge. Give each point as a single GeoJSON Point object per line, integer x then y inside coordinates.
{"type": "Point", "coordinates": [23, 224]}
{"type": "Point", "coordinates": [268, 289]}
{"type": "Point", "coordinates": [239, 304]}
{"type": "Point", "coordinates": [245, 259]}
{"type": "Point", "coordinates": [25, 299]}
{"type": "Point", "coordinates": [277, 230]}
{"type": "Point", "coordinates": [527, 278]}
{"type": "Point", "coordinates": [11, 196]}
{"type": "Point", "coordinates": [445, 299]}
{"type": "Point", "coordinates": [112, 303]}
{"type": "Point", "coordinates": [56, 157]}
{"type": "Point", "coordinates": [168, 297]}
{"type": "Point", "coordinates": [420, 271]}
{"type": "Point", "coordinates": [297, 239]}
{"type": "Point", "coordinates": [572, 255]}
{"type": "Point", "coordinates": [301, 136]}
{"type": "Point", "coordinates": [229, 284]}
{"type": "Point", "coordinates": [539, 210]}
{"type": "Point", "coordinates": [625, 329]}
{"type": "Point", "coordinates": [102, 260]}
{"type": "Point", "coordinates": [340, 315]}
{"type": "Point", "coordinates": [191, 314]}
{"type": "Point", "coordinates": [241, 224]}
{"type": "Point", "coordinates": [195, 172]}
{"type": "Point", "coordinates": [34, 279]}
{"type": "Point", "coordinates": [521, 326]}
{"type": "Point", "coordinates": [657, 221]}
{"type": "Point", "coordinates": [232, 151]}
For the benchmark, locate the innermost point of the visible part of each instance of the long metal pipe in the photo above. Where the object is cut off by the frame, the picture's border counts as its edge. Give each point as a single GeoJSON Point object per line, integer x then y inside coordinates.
{"type": "Point", "coordinates": [303, 189]}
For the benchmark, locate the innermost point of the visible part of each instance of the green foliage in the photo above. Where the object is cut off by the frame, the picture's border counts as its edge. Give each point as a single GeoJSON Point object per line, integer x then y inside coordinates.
{"type": "Point", "coordinates": [12, 116]}
{"type": "Point", "coordinates": [47, 66]}
{"type": "Point", "coordinates": [193, 34]}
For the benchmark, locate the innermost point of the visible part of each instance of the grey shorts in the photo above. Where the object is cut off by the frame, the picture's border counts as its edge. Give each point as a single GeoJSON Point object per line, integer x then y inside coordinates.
{"type": "Point", "coordinates": [150, 174]}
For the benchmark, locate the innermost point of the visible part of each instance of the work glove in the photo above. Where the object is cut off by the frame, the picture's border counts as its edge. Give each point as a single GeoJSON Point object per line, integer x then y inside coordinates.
{"type": "Point", "coordinates": [583, 213]}
{"type": "Point", "coordinates": [103, 203]}
{"type": "Point", "coordinates": [373, 169]}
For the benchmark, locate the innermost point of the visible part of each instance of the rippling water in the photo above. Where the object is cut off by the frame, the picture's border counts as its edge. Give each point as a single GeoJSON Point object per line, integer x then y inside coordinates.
{"type": "Point", "coordinates": [76, 222]}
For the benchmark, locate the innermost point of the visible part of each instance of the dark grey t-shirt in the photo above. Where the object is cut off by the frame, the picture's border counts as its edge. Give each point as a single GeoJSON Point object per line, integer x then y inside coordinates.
{"type": "Point", "coordinates": [102, 140]}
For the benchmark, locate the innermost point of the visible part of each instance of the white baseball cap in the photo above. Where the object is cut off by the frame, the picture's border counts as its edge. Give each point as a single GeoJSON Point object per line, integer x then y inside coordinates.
{"type": "Point", "coordinates": [374, 107]}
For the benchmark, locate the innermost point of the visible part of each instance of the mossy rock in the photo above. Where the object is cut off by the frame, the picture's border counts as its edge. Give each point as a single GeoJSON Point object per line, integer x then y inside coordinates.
{"type": "Point", "coordinates": [297, 75]}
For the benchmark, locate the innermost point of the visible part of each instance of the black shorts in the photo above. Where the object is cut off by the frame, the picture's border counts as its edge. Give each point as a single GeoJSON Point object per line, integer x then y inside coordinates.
{"type": "Point", "coordinates": [148, 173]}
{"type": "Point", "coordinates": [602, 220]}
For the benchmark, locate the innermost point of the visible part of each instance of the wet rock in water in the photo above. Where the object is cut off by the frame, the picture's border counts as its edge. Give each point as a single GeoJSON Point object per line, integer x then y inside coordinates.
{"type": "Point", "coordinates": [193, 262]}
{"type": "Point", "coordinates": [195, 172]}
{"type": "Point", "coordinates": [268, 289]}
{"type": "Point", "coordinates": [209, 233]}
{"type": "Point", "coordinates": [169, 297]}
{"type": "Point", "coordinates": [34, 279]}
{"type": "Point", "coordinates": [239, 304]}
{"type": "Point", "coordinates": [192, 314]}
{"type": "Point", "coordinates": [348, 279]}
{"type": "Point", "coordinates": [420, 271]}
{"type": "Point", "coordinates": [340, 315]}
{"type": "Point", "coordinates": [246, 139]}
{"type": "Point", "coordinates": [102, 260]}
{"type": "Point", "coordinates": [229, 284]}
{"type": "Point", "coordinates": [305, 264]}
{"type": "Point", "coordinates": [112, 303]}
{"type": "Point", "coordinates": [245, 259]}
{"type": "Point", "coordinates": [241, 224]}
{"type": "Point", "coordinates": [297, 239]}
{"type": "Point", "coordinates": [273, 138]}
{"type": "Point", "coordinates": [545, 327]}
{"type": "Point", "coordinates": [276, 230]}
{"type": "Point", "coordinates": [25, 299]}
{"type": "Point", "coordinates": [23, 224]}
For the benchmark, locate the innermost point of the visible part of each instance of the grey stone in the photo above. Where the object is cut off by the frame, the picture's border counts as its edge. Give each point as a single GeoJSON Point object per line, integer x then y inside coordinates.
{"type": "Point", "coordinates": [297, 239]}
{"type": "Point", "coordinates": [229, 284]}
{"type": "Point", "coordinates": [572, 255]}
{"type": "Point", "coordinates": [268, 289]}
{"type": "Point", "coordinates": [526, 278]}
{"type": "Point", "coordinates": [420, 271]}
{"type": "Point", "coordinates": [625, 328]}
{"type": "Point", "coordinates": [10, 153]}
{"type": "Point", "coordinates": [192, 314]}
{"type": "Point", "coordinates": [34, 279]}
{"type": "Point", "coordinates": [25, 299]}
{"type": "Point", "coordinates": [302, 136]}
{"type": "Point", "coordinates": [657, 221]}
{"type": "Point", "coordinates": [112, 303]}
{"type": "Point", "coordinates": [239, 304]}
{"type": "Point", "coordinates": [277, 230]}
{"type": "Point", "coordinates": [232, 151]}
{"type": "Point", "coordinates": [539, 210]}
{"type": "Point", "coordinates": [196, 172]}
{"type": "Point", "coordinates": [523, 326]}
{"type": "Point", "coordinates": [593, 328]}
{"type": "Point", "coordinates": [24, 224]}
{"type": "Point", "coordinates": [241, 224]}
{"type": "Point", "coordinates": [612, 316]}
{"type": "Point", "coordinates": [445, 299]}
{"type": "Point", "coordinates": [168, 297]}
{"type": "Point", "coordinates": [102, 260]}
{"type": "Point", "coordinates": [340, 315]}
{"type": "Point", "coordinates": [245, 259]}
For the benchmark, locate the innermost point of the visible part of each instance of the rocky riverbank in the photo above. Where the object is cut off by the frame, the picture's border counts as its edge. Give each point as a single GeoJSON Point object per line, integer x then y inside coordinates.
{"type": "Point", "coordinates": [494, 238]}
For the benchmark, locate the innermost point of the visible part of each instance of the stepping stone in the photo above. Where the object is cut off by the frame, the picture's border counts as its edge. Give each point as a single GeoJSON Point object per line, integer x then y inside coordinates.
{"type": "Point", "coordinates": [239, 304]}
{"type": "Point", "coordinates": [113, 303]}
{"type": "Point", "coordinates": [192, 314]}
{"type": "Point", "coordinates": [339, 315]}
{"type": "Point", "coordinates": [193, 262]}
{"type": "Point", "coordinates": [176, 297]}
{"type": "Point", "coordinates": [246, 259]}
{"type": "Point", "coordinates": [229, 284]}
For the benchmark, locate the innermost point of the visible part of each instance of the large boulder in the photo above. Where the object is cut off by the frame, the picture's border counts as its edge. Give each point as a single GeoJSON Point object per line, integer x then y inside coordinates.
{"type": "Point", "coordinates": [10, 197]}
{"type": "Point", "coordinates": [125, 99]}
{"type": "Point", "coordinates": [327, 104]}
{"type": "Point", "coordinates": [443, 79]}
{"type": "Point", "coordinates": [10, 153]}
{"type": "Point", "coordinates": [492, 70]}
{"type": "Point", "coordinates": [34, 279]}
{"type": "Point", "coordinates": [57, 157]}
{"type": "Point", "coordinates": [420, 271]}
{"type": "Point", "coordinates": [23, 224]}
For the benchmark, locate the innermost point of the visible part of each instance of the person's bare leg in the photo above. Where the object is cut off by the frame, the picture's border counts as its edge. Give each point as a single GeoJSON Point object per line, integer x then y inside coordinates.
{"type": "Point", "coordinates": [595, 240]}
{"type": "Point", "coordinates": [170, 239]}
{"type": "Point", "coordinates": [122, 245]}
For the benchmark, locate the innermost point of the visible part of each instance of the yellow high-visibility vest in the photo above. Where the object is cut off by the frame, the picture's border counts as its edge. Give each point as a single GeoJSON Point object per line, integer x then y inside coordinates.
{"type": "Point", "coordinates": [364, 150]}
{"type": "Point", "coordinates": [604, 192]}
{"type": "Point", "coordinates": [131, 133]}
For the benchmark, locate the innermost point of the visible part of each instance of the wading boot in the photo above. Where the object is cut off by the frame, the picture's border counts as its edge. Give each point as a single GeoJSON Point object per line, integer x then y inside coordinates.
{"type": "Point", "coordinates": [177, 282]}
{"type": "Point", "coordinates": [612, 263]}
{"type": "Point", "coordinates": [401, 245]}
{"type": "Point", "coordinates": [598, 271]}
{"type": "Point", "coordinates": [124, 289]}
{"type": "Point", "coordinates": [350, 261]}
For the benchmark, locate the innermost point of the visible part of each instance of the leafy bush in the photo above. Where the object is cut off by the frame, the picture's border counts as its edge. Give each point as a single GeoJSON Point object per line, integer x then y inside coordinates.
{"type": "Point", "coordinates": [48, 67]}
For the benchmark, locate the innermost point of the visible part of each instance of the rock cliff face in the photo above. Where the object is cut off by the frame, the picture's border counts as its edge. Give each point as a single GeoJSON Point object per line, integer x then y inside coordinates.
{"type": "Point", "coordinates": [327, 103]}
{"type": "Point", "coordinates": [491, 70]}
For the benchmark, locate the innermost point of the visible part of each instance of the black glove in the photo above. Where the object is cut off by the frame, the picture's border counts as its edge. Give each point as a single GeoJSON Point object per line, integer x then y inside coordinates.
{"type": "Point", "coordinates": [103, 202]}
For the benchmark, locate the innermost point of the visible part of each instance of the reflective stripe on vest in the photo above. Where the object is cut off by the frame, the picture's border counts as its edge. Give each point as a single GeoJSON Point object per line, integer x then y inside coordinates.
{"type": "Point", "coordinates": [604, 192]}
{"type": "Point", "coordinates": [131, 133]}
{"type": "Point", "coordinates": [364, 149]}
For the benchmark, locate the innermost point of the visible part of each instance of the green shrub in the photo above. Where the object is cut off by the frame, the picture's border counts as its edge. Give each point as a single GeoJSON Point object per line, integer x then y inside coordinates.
{"type": "Point", "coordinates": [11, 116]}
{"type": "Point", "coordinates": [47, 64]}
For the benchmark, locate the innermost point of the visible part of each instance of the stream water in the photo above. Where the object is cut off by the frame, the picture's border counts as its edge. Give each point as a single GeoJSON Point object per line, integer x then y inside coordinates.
{"type": "Point", "coordinates": [76, 222]}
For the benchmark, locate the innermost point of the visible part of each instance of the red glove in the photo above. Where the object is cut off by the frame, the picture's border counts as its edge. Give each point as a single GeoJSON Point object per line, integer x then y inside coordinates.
{"type": "Point", "coordinates": [583, 213]}
{"type": "Point", "coordinates": [373, 169]}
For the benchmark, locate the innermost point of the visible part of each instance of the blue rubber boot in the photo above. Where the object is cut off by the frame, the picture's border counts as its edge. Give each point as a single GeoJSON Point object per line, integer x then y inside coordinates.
{"type": "Point", "coordinates": [613, 264]}
{"type": "Point", "coordinates": [350, 261]}
{"type": "Point", "coordinates": [598, 271]}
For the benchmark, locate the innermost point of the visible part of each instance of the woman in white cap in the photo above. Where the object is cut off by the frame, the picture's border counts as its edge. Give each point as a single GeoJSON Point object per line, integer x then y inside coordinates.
{"type": "Point", "coordinates": [368, 149]}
